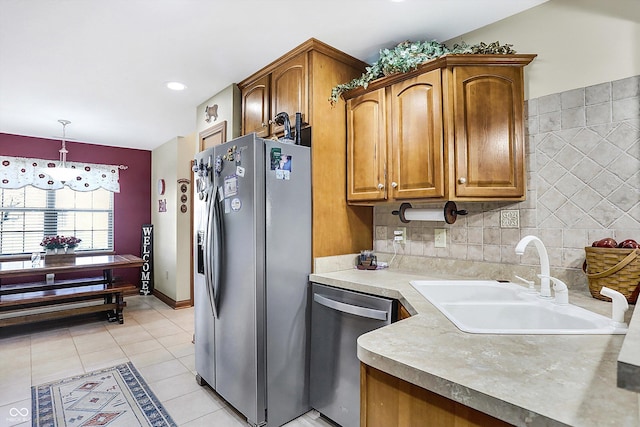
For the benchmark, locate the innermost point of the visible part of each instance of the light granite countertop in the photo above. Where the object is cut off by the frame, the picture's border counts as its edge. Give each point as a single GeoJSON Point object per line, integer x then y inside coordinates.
{"type": "Point", "coordinates": [526, 380]}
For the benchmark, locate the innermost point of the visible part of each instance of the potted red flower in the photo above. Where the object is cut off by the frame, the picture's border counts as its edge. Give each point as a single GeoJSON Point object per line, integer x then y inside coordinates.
{"type": "Point", "coordinates": [53, 243]}
{"type": "Point", "coordinates": [71, 243]}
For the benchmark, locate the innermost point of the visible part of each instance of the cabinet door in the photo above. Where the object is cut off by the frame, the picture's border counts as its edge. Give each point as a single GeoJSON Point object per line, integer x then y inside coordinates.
{"type": "Point", "coordinates": [403, 313]}
{"type": "Point", "coordinates": [289, 90]}
{"type": "Point", "coordinates": [255, 107]}
{"type": "Point", "coordinates": [417, 162]}
{"type": "Point", "coordinates": [366, 147]}
{"type": "Point", "coordinates": [389, 401]}
{"type": "Point", "coordinates": [489, 132]}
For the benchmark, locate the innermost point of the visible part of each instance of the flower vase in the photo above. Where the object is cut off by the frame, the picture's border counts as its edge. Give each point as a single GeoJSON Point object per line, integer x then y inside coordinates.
{"type": "Point", "coordinates": [71, 250]}
{"type": "Point", "coordinates": [51, 251]}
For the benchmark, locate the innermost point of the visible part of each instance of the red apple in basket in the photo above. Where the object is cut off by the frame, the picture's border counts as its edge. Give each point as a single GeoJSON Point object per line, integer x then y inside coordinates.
{"type": "Point", "coordinates": [629, 244]}
{"type": "Point", "coordinates": [607, 242]}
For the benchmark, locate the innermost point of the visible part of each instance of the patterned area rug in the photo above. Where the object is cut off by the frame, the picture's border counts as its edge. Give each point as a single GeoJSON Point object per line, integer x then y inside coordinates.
{"type": "Point", "coordinates": [114, 397]}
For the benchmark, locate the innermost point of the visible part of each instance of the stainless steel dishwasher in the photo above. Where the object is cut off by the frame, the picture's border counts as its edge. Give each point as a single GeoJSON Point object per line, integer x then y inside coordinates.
{"type": "Point", "coordinates": [338, 318]}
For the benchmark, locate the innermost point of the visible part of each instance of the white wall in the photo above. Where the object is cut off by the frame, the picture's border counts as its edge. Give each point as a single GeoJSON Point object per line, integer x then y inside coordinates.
{"type": "Point", "coordinates": [163, 166]}
{"type": "Point", "coordinates": [172, 236]}
{"type": "Point", "coordinates": [172, 229]}
{"type": "Point", "coordinates": [579, 43]}
{"type": "Point", "coordinates": [186, 147]}
{"type": "Point", "coordinates": [229, 109]}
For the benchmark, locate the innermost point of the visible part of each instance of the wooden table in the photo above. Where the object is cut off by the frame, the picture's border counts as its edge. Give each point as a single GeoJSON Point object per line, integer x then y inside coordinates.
{"type": "Point", "coordinates": [17, 301]}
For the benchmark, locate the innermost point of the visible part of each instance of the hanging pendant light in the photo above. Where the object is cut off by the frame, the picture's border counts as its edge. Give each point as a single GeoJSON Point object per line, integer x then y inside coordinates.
{"type": "Point", "coordinates": [61, 172]}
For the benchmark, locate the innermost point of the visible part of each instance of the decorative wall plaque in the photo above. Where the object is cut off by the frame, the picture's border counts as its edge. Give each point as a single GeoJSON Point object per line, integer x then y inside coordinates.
{"type": "Point", "coordinates": [146, 253]}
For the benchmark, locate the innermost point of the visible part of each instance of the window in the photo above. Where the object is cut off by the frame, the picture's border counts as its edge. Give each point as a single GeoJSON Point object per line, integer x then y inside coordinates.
{"type": "Point", "coordinates": [28, 214]}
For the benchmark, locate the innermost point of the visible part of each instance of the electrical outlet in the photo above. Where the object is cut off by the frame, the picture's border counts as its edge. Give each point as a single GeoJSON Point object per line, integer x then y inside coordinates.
{"type": "Point", "coordinates": [400, 234]}
{"type": "Point", "coordinates": [440, 240]}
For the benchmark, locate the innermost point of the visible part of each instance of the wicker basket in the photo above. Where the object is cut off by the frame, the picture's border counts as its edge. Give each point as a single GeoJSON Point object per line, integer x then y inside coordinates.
{"type": "Point", "coordinates": [618, 269]}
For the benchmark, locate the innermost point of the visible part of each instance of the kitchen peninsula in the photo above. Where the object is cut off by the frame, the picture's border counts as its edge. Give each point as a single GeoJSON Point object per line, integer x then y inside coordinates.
{"type": "Point", "coordinates": [525, 380]}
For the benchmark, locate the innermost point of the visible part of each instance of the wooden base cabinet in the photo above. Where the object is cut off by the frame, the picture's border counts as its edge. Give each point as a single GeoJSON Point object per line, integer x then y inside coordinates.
{"type": "Point", "coordinates": [452, 129]}
{"type": "Point", "coordinates": [403, 313]}
{"type": "Point", "coordinates": [301, 81]}
{"type": "Point", "coordinates": [389, 401]}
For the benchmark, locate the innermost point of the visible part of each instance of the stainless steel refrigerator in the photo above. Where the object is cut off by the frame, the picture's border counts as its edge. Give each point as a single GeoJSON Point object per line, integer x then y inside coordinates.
{"type": "Point", "coordinates": [252, 222]}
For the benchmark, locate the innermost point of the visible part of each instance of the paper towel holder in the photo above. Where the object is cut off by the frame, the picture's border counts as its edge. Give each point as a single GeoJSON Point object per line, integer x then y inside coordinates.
{"type": "Point", "coordinates": [450, 212]}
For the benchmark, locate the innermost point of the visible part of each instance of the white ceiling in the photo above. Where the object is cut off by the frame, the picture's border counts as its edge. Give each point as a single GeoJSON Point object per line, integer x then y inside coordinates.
{"type": "Point", "coordinates": [103, 65]}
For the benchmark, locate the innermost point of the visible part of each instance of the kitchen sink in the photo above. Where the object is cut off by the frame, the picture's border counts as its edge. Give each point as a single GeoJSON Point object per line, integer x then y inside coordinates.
{"type": "Point", "coordinates": [492, 307]}
{"type": "Point", "coordinates": [458, 291]}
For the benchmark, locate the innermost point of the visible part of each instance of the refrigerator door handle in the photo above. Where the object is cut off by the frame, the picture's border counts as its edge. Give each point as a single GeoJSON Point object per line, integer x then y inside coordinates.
{"type": "Point", "coordinates": [218, 246]}
{"type": "Point", "coordinates": [207, 251]}
{"type": "Point", "coordinates": [356, 310]}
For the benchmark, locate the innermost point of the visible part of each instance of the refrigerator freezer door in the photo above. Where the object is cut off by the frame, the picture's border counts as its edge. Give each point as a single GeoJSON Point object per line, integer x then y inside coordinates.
{"type": "Point", "coordinates": [204, 332]}
{"type": "Point", "coordinates": [239, 337]}
{"type": "Point", "coordinates": [204, 319]}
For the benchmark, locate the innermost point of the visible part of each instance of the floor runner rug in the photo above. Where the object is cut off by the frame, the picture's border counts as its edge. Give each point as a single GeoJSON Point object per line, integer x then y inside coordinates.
{"type": "Point", "coordinates": [113, 397]}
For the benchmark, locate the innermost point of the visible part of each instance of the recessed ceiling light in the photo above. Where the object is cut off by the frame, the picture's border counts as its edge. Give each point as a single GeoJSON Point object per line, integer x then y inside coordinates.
{"type": "Point", "coordinates": [176, 86]}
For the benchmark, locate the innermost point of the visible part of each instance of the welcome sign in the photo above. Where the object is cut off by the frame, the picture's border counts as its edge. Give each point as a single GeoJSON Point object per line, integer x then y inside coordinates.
{"type": "Point", "coordinates": [146, 253]}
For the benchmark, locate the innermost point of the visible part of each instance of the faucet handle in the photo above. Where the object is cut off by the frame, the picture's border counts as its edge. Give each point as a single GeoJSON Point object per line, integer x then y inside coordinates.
{"type": "Point", "coordinates": [560, 290]}
{"type": "Point", "coordinates": [532, 288]}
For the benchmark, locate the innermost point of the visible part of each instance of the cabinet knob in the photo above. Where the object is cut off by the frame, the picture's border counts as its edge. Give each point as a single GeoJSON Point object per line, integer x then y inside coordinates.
{"type": "Point", "coordinates": [462, 180]}
{"type": "Point", "coordinates": [380, 186]}
{"type": "Point", "coordinates": [394, 184]}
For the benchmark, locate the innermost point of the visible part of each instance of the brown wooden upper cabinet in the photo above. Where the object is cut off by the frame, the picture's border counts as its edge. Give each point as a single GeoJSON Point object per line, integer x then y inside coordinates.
{"type": "Point", "coordinates": [301, 81]}
{"type": "Point", "coordinates": [367, 146]}
{"type": "Point", "coordinates": [284, 89]}
{"type": "Point", "coordinates": [400, 157]}
{"type": "Point", "coordinates": [255, 107]}
{"type": "Point", "coordinates": [488, 124]}
{"type": "Point", "coordinates": [452, 129]}
{"type": "Point", "coordinates": [290, 90]}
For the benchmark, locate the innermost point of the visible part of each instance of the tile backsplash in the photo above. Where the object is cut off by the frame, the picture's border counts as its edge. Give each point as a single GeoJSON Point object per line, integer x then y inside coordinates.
{"type": "Point", "coordinates": [583, 180]}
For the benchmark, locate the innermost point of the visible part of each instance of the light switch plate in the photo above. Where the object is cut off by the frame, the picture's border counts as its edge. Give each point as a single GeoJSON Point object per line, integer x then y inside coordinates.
{"type": "Point", "coordinates": [440, 240]}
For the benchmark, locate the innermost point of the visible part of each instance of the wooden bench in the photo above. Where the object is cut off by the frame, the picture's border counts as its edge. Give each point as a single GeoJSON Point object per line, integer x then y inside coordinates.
{"type": "Point", "coordinates": [18, 301]}
{"type": "Point", "coordinates": [38, 301]}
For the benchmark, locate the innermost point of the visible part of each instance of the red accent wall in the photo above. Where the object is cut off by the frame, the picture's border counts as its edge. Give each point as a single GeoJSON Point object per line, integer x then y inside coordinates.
{"type": "Point", "coordinates": [132, 206]}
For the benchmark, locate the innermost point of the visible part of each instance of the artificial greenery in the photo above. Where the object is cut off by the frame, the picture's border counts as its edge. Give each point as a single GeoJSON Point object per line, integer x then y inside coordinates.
{"type": "Point", "coordinates": [407, 56]}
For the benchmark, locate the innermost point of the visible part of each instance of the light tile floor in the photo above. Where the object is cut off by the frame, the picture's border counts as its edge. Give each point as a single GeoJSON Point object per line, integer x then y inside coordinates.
{"type": "Point", "coordinates": [156, 338]}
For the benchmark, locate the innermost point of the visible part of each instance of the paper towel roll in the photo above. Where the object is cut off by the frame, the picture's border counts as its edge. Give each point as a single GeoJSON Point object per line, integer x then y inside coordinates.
{"type": "Point", "coordinates": [448, 214]}
{"type": "Point", "coordinates": [424, 214]}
